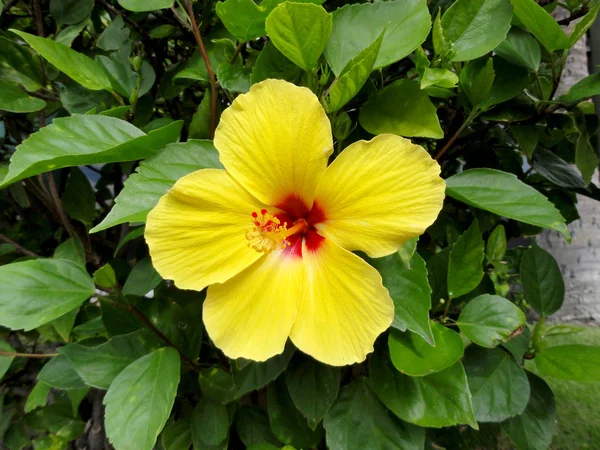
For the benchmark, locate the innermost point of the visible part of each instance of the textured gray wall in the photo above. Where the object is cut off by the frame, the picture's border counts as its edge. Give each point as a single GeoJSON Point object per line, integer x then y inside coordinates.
{"type": "Point", "coordinates": [580, 261]}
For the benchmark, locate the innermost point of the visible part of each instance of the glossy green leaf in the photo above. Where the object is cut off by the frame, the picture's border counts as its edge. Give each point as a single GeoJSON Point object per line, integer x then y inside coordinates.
{"type": "Point", "coordinates": [412, 355]}
{"type": "Point", "coordinates": [410, 292]}
{"type": "Point", "coordinates": [585, 88]}
{"type": "Point", "coordinates": [476, 80]}
{"type": "Point", "coordinates": [271, 63]}
{"type": "Point", "coordinates": [358, 421]}
{"type": "Point", "coordinates": [85, 139]}
{"type": "Point", "coordinates": [250, 376]}
{"type": "Point", "coordinates": [155, 176]}
{"type": "Point", "coordinates": [541, 24]}
{"type": "Point", "coordinates": [253, 427]}
{"type": "Point", "coordinates": [79, 199]}
{"type": "Point", "coordinates": [217, 385]}
{"type": "Point", "coordinates": [542, 281]}
{"type": "Point", "coordinates": [520, 48]}
{"type": "Point", "coordinates": [114, 36]}
{"type": "Point", "coordinates": [60, 373]}
{"type": "Point", "coordinates": [38, 397]}
{"type": "Point", "coordinates": [142, 279]}
{"type": "Point", "coordinates": [356, 26]}
{"type": "Point", "coordinates": [584, 24]}
{"type": "Point", "coordinates": [498, 385]}
{"type": "Point", "coordinates": [465, 269]}
{"type": "Point", "coordinates": [13, 99]}
{"type": "Point", "coordinates": [80, 67]}
{"type": "Point", "coordinates": [72, 250]}
{"type": "Point", "coordinates": [287, 422]}
{"type": "Point", "coordinates": [5, 361]}
{"type": "Point", "coordinates": [70, 12]}
{"type": "Point", "coordinates": [19, 65]}
{"type": "Point", "coordinates": [105, 277]}
{"type": "Point", "coordinates": [177, 435]}
{"type": "Point", "coordinates": [145, 5]}
{"type": "Point", "coordinates": [503, 194]}
{"type": "Point", "coordinates": [437, 400]}
{"type": "Point", "coordinates": [495, 249]}
{"type": "Point", "coordinates": [99, 366]}
{"type": "Point", "coordinates": [353, 77]}
{"type": "Point", "coordinates": [443, 78]}
{"type": "Point", "coordinates": [37, 291]}
{"type": "Point", "coordinates": [401, 108]}
{"type": "Point", "coordinates": [570, 362]}
{"type": "Point", "coordinates": [556, 170]}
{"type": "Point", "coordinates": [488, 320]}
{"type": "Point", "coordinates": [313, 387]}
{"type": "Point", "coordinates": [209, 424]}
{"type": "Point", "coordinates": [234, 78]}
{"type": "Point", "coordinates": [300, 31]}
{"type": "Point", "coordinates": [472, 28]}
{"type": "Point", "coordinates": [142, 394]}
{"type": "Point", "coordinates": [533, 430]}
{"type": "Point", "coordinates": [509, 81]}
{"type": "Point", "coordinates": [200, 124]}
{"type": "Point", "coordinates": [586, 158]}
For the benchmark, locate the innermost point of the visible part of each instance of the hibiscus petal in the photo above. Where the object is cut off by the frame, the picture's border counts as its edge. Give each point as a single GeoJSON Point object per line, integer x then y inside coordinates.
{"type": "Point", "coordinates": [378, 194]}
{"type": "Point", "coordinates": [250, 316]}
{"type": "Point", "coordinates": [275, 141]}
{"type": "Point", "coordinates": [197, 232]}
{"type": "Point", "coordinates": [344, 308]}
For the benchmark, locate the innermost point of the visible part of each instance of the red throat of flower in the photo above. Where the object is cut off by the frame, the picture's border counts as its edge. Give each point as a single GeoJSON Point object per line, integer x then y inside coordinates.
{"type": "Point", "coordinates": [286, 230]}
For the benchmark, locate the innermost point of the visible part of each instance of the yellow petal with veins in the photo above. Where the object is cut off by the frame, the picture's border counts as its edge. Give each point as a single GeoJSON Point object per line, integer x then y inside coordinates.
{"type": "Point", "coordinates": [197, 231]}
{"type": "Point", "coordinates": [275, 141]}
{"type": "Point", "coordinates": [378, 194]}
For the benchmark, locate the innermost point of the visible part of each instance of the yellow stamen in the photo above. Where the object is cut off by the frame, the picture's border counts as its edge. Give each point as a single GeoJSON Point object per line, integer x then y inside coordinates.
{"type": "Point", "coordinates": [267, 233]}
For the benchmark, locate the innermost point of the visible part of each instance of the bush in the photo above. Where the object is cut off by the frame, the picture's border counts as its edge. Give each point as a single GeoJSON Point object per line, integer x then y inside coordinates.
{"type": "Point", "coordinates": [107, 326]}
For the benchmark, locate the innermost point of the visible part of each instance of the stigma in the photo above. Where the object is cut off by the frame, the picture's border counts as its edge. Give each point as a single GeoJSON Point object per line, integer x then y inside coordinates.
{"type": "Point", "coordinates": [269, 234]}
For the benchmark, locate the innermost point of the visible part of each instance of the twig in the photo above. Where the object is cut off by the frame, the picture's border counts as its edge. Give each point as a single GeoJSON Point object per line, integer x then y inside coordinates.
{"type": "Point", "coordinates": [451, 141]}
{"type": "Point", "coordinates": [211, 74]}
{"type": "Point", "coordinates": [237, 52]}
{"type": "Point", "coordinates": [19, 248]}
{"type": "Point", "coordinates": [29, 355]}
{"type": "Point", "coordinates": [572, 17]}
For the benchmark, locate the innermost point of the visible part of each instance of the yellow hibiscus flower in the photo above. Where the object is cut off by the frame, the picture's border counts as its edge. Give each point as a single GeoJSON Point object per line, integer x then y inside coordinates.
{"type": "Point", "coordinates": [272, 234]}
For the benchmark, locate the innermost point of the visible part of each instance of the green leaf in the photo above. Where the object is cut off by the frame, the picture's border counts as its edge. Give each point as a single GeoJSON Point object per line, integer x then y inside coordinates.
{"type": "Point", "coordinates": [437, 275]}
{"type": "Point", "coordinates": [476, 80]}
{"type": "Point", "coordinates": [145, 5]}
{"type": "Point", "coordinates": [505, 195]}
{"type": "Point", "coordinates": [586, 158]}
{"type": "Point", "coordinates": [488, 320]}
{"type": "Point", "coordinates": [142, 279]}
{"type": "Point", "coordinates": [254, 375]}
{"type": "Point", "coordinates": [115, 36]}
{"type": "Point", "coordinates": [60, 328]}
{"type": "Point", "coordinates": [527, 137]}
{"type": "Point", "coordinates": [217, 385]}
{"type": "Point", "coordinates": [177, 435]}
{"type": "Point", "coordinates": [37, 291]}
{"type": "Point", "coordinates": [155, 176]}
{"type": "Point", "coordinates": [498, 385]}
{"type": "Point", "coordinates": [71, 250]}
{"type": "Point", "coordinates": [99, 366]}
{"type": "Point", "coordinates": [579, 363]}
{"type": "Point", "coordinates": [133, 234]}
{"type": "Point", "coordinates": [542, 281]}
{"type": "Point", "coordinates": [85, 139]}
{"type": "Point", "coordinates": [209, 424]}
{"type": "Point", "coordinates": [253, 427]}
{"type": "Point", "coordinates": [68, 34]}
{"type": "Point", "coordinates": [583, 25]}
{"type": "Point", "coordinates": [437, 400]}
{"type": "Point", "coordinates": [473, 28]}
{"type": "Point", "coordinates": [79, 67]}
{"type": "Point", "coordinates": [518, 345]}
{"type": "Point", "coordinates": [588, 87]}
{"type": "Point", "coordinates": [401, 108]}
{"type": "Point", "coordinates": [465, 269]}
{"type": "Point", "coordinates": [140, 398]}
{"type": "Point", "coordinates": [437, 35]}
{"type": "Point", "coordinates": [412, 355]}
{"type": "Point", "coordinates": [443, 78]}
{"type": "Point", "coordinates": [19, 65]}
{"type": "Point", "coordinates": [359, 421]}
{"type": "Point", "coordinates": [495, 249]}
{"type": "Point", "coordinates": [79, 199]}
{"type": "Point", "coordinates": [410, 292]}
{"type": "Point", "coordinates": [70, 12]}
{"type": "Point", "coordinates": [200, 124]}
{"type": "Point", "coordinates": [556, 170]}
{"type": "Point", "coordinates": [60, 373]}
{"type": "Point", "coordinates": [533, 430]}
{"type": "Point", "coordinates": [313, 387]}
{"type": "Point", "coordinates": [5, 361]}
{"type": "Point", "coordinates": [13, 99]}
{"type": "Point", "coordinates": [353, 77]}
{"type": "Point", "coordinates": [356, 26]}
{"type": "Point", "coordinates": [271, 63]}
{"type": "Point", "coordinates": [105, 277]}
{"type": "Point", "coordinates": [520, 48]}
{"type": "Point", "coordinates": [300, 31]}
{"type": "Point", "coordinates": [38, 396]}
{"type": "Point", "coordinates": [288, 424]}
{"type": "Point", "coordinates": [509, 81]}
{"type": "Point", "coordinates": [541, 24]}
{"type": "Point", "coordinates": [234, 78]}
